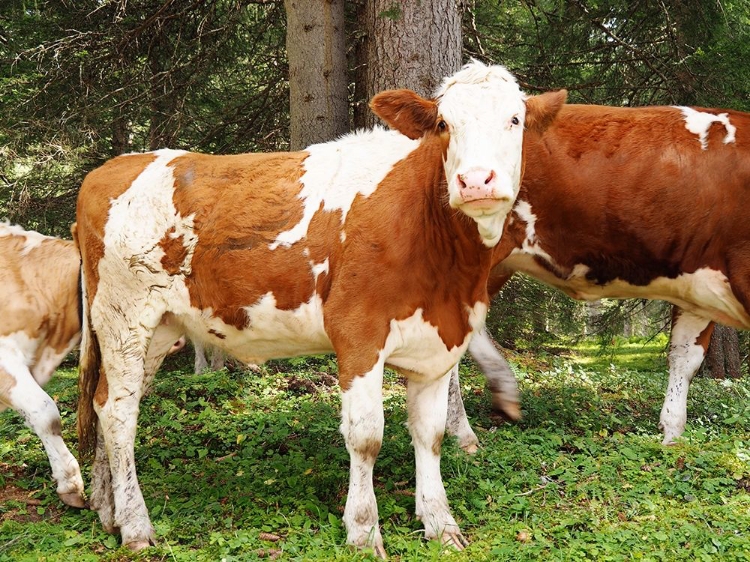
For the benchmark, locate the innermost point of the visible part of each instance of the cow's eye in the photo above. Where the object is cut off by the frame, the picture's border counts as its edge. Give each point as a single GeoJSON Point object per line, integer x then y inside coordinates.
{"type": "Point", "coordinates": [442, 126]}
{"type": "Point", "coordinates": [515, 120]}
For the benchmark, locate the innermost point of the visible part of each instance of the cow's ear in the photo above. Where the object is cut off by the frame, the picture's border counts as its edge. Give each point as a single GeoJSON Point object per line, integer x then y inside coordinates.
{"type": "Point", "coordinates": [541, 110]}
{"type": "Point", "coordinates": [405, 111]}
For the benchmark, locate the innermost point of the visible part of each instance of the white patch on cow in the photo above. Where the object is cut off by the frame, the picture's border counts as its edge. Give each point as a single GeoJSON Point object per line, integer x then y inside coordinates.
{"type": "Point", "coordinates": [705, 292]}
{"type": "Point", "coordinates": [32, 239]}
{"type": "Point", "coordinates": [478, 104]}
{"type": "Point", "coordinates": [337, 172]}
{"type": "Point", "coordinates": [138, 220]}
{"type": "Point", "coordinates": [415, 344]}
{"type": "Point", "coordinates": [698, 123]}
{"type": "Point", "coordinates": [685, 357]}
{"type": "Point", "coordinates": [531, 243]}
{"type": "Point", "coordinates": [270, 331]}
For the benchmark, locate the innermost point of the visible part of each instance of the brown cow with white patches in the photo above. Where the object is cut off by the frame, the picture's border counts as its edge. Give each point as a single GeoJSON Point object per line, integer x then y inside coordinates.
{"type": "Point", "coordinates": [375, 246]}
{"type": "Point", "coordinates": [40, 310]}
{"type": "Point", "coordinates": [633, 203]}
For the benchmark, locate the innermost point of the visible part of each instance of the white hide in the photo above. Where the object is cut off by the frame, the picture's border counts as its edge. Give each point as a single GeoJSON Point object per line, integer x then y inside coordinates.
{"type": "Point", "coordinates": [699, 122]}
{"type": "Point", "coordinates": [337, 172]}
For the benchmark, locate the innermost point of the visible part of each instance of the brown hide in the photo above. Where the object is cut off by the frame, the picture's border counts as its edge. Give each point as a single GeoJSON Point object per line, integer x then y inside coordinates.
{"type": "Point", "coordinates": [630, 193]}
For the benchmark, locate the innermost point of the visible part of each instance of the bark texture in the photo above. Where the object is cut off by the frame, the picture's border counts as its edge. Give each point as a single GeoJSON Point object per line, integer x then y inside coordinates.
{"type": "Point", "coordinates": [316, 49]}
{"type": "Point", "coordinates": [406, 45]}
{"type": "Point", "coordinates": [723, 356]}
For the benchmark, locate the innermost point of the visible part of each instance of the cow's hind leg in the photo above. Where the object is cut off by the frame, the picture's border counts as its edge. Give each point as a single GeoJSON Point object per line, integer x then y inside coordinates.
{"type": "Point", "coordinates": [689, 341]}
{"type": "Point", "coordinates": [362, 422]}
{"type": "Point", "coordinates": [457, 423]}
{"type": "Point", "coordinates": [20, 391]}
{"type": "Point", "coordinates": [427, 403]}
{"type": "Point", "coordinates": [102, 495]}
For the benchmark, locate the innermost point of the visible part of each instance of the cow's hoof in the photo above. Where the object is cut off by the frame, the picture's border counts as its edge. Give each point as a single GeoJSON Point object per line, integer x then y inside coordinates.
{"type": "Point", "coordinates": [509, 410]}
{"type": "Point", "coordinates": [74, 499]}
{"type": "Point", "coordinates": [454, 540]}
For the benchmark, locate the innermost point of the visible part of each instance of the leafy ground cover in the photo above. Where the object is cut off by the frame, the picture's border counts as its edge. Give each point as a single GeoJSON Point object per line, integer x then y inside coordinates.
{"type": "Point", "coordinates": [238, 466]}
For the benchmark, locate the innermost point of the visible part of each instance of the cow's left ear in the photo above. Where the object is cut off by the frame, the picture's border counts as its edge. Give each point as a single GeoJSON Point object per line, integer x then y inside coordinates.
{"type": "Point", "coordinates": [405, 111]}
{"type": "Point", "coordinates": [541, 110]}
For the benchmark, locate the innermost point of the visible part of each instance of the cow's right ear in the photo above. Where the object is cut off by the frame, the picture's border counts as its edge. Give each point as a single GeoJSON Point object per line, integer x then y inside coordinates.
{"type": "Point", "coordinates": [407, 112]}
{"type": "Point", "coordinates": [541, 110]}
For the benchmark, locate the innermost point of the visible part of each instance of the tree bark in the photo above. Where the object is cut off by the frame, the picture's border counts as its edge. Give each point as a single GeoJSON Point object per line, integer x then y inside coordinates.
{"type": "Point", "coordinates": [316, 49]}
{"type": "Point", "coordinates": [723, 356]}
{"type": "Point", "coordinates": [407, 45]}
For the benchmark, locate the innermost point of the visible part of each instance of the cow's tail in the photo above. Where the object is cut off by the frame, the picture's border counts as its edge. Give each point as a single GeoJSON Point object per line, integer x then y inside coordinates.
{"type": "Point", "coordinates": [89, 367]}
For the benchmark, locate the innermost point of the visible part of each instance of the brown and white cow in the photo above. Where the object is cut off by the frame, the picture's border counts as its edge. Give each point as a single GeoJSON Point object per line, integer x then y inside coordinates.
{"type": "Point", "coordinates": [633, 202]}
{"type": "Point", "coordinates": [40, 310]}
{"type": "Point", "coordinates": [342, 247]}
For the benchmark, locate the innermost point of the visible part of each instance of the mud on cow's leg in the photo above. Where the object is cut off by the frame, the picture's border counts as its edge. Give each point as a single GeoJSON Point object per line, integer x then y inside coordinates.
{"type": "Point", "coordinates": [362, 422]}
{"type": "Point", "coordinates": [689, 341]}
{"type": "Point", "coordinates": [102, 498]}
{"type": "Point", "coordinates": [427, 404]}
{"type": "Point", "coordinates": [457, 424]}
{"type": "Point", "coordinates": [500, 378]}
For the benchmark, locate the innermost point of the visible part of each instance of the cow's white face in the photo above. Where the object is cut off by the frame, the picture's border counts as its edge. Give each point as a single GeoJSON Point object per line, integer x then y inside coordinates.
{"type": "Point", "coordinates": [482, 110]}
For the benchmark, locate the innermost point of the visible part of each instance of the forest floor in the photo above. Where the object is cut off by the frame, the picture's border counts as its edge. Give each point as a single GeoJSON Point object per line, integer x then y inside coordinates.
{"type": "Point", "coordinates": [239, 466]}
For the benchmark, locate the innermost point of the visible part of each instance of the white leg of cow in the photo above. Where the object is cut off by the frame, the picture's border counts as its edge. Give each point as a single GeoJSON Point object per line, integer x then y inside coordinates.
{"type": "Point", "coordinates": [124, 342]}
{"type": "Point", "coordinates": [40, 413]}
{"type": "Point", "coordinates": [457, 424]}
{"type": "Point", "coordinates": [687, 348]}
{"type": "Point", "coordinates": [218, 359]}
{"type": "Point", "coordinates": [200, 357]}
{"type": "Point", "coordinates": [500, 377]}
{"type": "Point", "coordinates": [427, 404]}
{"type": "Point", "coordinates": [362, 422]}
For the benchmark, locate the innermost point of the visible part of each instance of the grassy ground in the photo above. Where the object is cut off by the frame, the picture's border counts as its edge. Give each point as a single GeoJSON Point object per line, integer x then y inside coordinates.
{"type": "Point", "coordinates": [235, 466]}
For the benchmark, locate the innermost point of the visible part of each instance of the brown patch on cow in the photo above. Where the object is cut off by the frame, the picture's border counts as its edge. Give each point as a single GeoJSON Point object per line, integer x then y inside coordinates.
{"type": "Point", "coordinates": [370, 449]}
{"type": "Point", "coordinates": [240, 204]}
{"type": "Point", "coordinates": [7, 382]}
{"type": "Point", "coordinates": [175, 252]}
{"type": "Point", "coordinates": [437, 444]}
{"type": "Point", "coordinates": [102, 390]}
{"type": "Point", "coordinates": [542, 110]}
{"type": "Point", "coordinates": [217, 334]}
{"type": "Point", "coordinates": [55, 428]}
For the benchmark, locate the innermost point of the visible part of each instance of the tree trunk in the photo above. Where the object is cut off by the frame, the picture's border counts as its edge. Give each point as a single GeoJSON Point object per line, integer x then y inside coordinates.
{"type": "Point", "coordinates": [723, 356]}
{"type": "Point", "coordinates": [316, 48]}
{"type": "Point", "coordinates": [407, 45]}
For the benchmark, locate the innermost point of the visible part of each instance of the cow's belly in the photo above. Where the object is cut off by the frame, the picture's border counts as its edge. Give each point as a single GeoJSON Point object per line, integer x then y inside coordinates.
{"type": "Point", "coordinates": [270, 333]}
{"type": "Point", "coordinates": [705, 292]}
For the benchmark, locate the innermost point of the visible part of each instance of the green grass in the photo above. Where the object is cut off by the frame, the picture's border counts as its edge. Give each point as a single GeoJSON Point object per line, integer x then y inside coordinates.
{"type": "Point", "coordinates": [237, 466]}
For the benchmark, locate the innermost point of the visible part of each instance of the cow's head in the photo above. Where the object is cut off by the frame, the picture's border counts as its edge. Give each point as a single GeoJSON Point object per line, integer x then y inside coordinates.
{"type": "Point", "coordinates": [480, 113]}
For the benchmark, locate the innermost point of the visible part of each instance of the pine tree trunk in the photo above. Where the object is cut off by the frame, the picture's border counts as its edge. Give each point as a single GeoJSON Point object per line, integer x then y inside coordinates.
{"type": "Point", "coordinates": [407, 45]}
{"type": "Point", "coordinates": [723, 356]}
{"type": "Point", "coordinates": [316, 48]}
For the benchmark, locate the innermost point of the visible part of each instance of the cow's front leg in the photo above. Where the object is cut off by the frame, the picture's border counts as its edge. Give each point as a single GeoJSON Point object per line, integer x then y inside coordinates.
{"type": "Point", "coordinates": [362, 423]}
{"type": "Point", "coordinates": [427, 403]}
{"type": "Point", "coordinates": [688, 344]}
